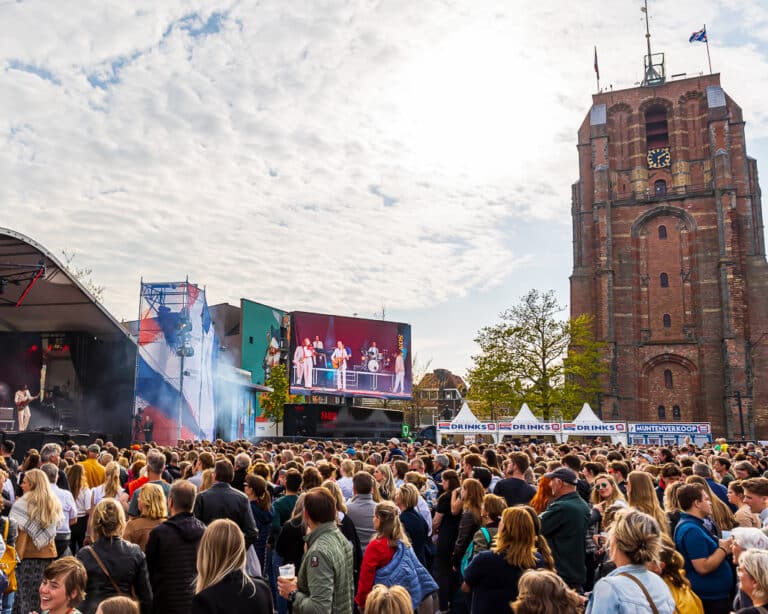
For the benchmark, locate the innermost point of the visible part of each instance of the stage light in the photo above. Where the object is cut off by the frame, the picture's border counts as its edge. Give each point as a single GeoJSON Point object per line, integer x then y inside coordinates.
{"type": "Point", "coordinates": [33, 348]}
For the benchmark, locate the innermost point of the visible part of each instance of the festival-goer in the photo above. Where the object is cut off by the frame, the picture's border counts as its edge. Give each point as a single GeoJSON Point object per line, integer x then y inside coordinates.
{"type": "Point", "coordinates": [346, 526]}
{"type": "Point", "coordinates": [706, 563]}
{"type": "Point", "coordinates": [470, 497]}
{"type": "Point", "coordinates": [94, 471]}
{"type": "Point", "coordinates": [118, 605]}
{"type": "Point", "coordinates": [111, 487]}
{"type": "Point", "coordinates": [670, 566]}
{"type": "Point", "coordinates": [222, 586]}
{"type": "Point", "coordinates": [492, 576]}
{"type": "Point", "coordinates": [416, 529]}
{"type": "Point", "coordinates": [78, 484]}
{"type": "Point", "coordinates": [721, 518]}
{"type": "Point", "coordinates": [641, 495]}
{"type": "Point", "coordinates": [324, 582]}
{"type": "Point", "coordinates": [756, 496]}
{"type": "Point", "coordinates": [390, 560]}
{"type": "Point", "coordinates": [513, 487]}
{"type": "Point", "coordinates": [744, 517]}
{"type": "Point", "coordinates": [446, 525]}
{"type": "Point", "coordinates": [68, 510]}
{"type": "Point", "coordinates": [544, 592]}
{"type": "Point", "coordinates": [493, 508]}
{"type": "Point", "coordinates": [388, 600]}
{"type": "Point", "coordinates": [114, 566]}
{"type": "Point", "coordinates": [37, 515]}
{"type": "Point", "coordinates": [361, 507]}
{"type": "Point", "coordinates": [753, 580]}
{"type": "Point", "coordinates": [385, 482]}
{"type": "Point", "coordinates": [63, 586]}
{"type": "Point", "coordinates": [564, 523]}
{"type": "Point", "coordinates": [634, 541]}
{"type": "Point", "coordinates": [255, 488]}
{"type": "Point", "coordinates": [171, 553]}
{"type": "Point", "coordinates": [744, 539]}
{"type": "Point", "coordinates": [153, 510]}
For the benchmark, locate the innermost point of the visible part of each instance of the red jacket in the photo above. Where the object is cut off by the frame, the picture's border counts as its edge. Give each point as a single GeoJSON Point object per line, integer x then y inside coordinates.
{"type": "Point", "coordinates": [377, 554]}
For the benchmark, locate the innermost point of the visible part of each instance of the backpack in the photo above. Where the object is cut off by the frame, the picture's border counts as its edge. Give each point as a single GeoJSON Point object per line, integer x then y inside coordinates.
{"type": "Point", "coordinates": [8, 561]}
{"type": "Point", "coordinates": [470, 551]}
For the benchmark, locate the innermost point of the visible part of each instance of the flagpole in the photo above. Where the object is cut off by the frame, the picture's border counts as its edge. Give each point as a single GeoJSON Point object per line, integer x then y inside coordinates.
{"type": "Point", "coordinates": [597, 71]}
{"type": "Point", "coordinates": [706, 40]}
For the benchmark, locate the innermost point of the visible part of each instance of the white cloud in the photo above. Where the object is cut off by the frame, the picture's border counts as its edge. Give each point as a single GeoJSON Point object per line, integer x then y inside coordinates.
{"type": "Point", "coordinates": [320, 155]}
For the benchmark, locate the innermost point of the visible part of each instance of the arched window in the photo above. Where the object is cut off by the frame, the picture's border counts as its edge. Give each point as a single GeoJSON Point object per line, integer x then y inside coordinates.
{"type": "Point", "coordinates": [662, 232]}
{"type": "Point", "coordinates": [662, 411]}
{"type": "Point", "coordinates": [667, 378]}
{"type": "Point", "coordinates": [664, 280]}
{"type": "Point", "coordinates": [676, 412]}
{"type": "Point", "coordinates": [667, 320]}
{"type": "Point", "coordinates": [660, 187]}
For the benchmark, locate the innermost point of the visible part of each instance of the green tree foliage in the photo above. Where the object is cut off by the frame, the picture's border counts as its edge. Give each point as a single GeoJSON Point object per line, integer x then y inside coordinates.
{"type": "Point", "coordinates": [273, 403]}
{"type": "Point", "coordinates": [523, 359]}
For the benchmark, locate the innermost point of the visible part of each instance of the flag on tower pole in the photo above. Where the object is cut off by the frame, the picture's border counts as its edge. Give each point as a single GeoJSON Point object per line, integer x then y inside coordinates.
{"type": "Point", "coordinates": [700, 36]}
{"type": "Point", "coordinates": [597, 70]}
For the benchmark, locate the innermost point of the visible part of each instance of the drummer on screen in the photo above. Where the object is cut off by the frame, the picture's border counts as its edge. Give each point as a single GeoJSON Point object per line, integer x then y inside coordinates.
{"type": "Point", "coordinates": [339, 360]}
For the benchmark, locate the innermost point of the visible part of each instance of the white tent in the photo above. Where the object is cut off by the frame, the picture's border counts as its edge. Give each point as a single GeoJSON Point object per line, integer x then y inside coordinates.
{"type": "Point", "coordinates": [465, 423]}
{"type": "Point", "coordinates": [525, 423]}
{"type": "Point", "coordinates": [588, 424]}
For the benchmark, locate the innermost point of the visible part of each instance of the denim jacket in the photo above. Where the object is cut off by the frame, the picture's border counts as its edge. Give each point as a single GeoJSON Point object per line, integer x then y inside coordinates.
{"type": "Point", "coordinates": [620, 595]}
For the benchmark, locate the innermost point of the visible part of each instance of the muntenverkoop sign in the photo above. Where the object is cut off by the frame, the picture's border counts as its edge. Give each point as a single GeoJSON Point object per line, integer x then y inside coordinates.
{"type": "Point", "coordinates": [681, 428]}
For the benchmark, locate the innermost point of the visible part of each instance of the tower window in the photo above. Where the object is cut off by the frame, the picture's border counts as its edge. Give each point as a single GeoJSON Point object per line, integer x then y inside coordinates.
{"type": "Point", "coordinates": [662, 232]}
{"type": "Point", "coordinates": [667, 320]}
{"type": "Point", "coordinates": [676, 412]}
{"type": "Point", "coordinates": [667, 378]}
{"type": "Point", "coordinates": [660, 187]}
{"type": "Point", "coordinates": [664, 280]}
{"type": "Point", "coordinates": [662, 411]}
{"type": "Point", "coordinates": [656, 129]}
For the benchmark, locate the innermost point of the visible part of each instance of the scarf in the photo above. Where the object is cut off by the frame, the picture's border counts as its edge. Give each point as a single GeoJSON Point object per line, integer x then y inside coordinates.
{"type": "Point", "coordinates": [40, 536]}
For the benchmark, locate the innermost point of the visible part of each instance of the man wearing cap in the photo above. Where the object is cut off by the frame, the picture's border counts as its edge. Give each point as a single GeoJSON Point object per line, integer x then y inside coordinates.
{"type": "Point", "coordinates": [564, 525]}
{"type": "Point", "coordinates": [394, 449]}
{"type": "Point", "coordinates": [93, 470]}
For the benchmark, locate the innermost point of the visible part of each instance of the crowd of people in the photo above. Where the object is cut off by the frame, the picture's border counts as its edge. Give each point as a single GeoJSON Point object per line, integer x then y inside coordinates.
{"type": "Point", "coordinates": [384, 528]}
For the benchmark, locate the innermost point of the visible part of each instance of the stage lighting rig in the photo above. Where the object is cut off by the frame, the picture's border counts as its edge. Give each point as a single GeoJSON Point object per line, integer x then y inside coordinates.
{"type": "Point", "coordinates": [13, 273]}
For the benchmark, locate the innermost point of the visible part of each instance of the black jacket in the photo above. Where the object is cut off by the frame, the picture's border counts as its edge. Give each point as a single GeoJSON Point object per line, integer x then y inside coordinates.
{"type": "Point", "coordinates": [238, 481]}
{"type": "Point", "coordinates": [171, 559]}
{"type": "Point", "coordinates": [230, 597]}
{"type": "Point", "coordinates": [127, 566]}
{"type": "Point", "coordinates": [468, 526]}
{"type": "Point", "coordinates": [223, 501]}
{"type": "Point", "coordinates": [418, 531]}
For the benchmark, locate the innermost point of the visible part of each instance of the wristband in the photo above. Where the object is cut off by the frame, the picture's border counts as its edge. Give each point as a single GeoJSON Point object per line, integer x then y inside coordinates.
{"type": "Point", "coordinates": [723, 549]}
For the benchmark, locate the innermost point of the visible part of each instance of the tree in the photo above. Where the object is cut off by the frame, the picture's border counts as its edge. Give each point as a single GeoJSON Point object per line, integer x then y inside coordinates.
{"type": "Point", "coordinates": [583, 365]}
{"type": "Point", "coordinates": [83, 275]}
{"type": "Point", "coordinates": [273, 403]}
{"type": "Point", "coordinates": [523, 359]}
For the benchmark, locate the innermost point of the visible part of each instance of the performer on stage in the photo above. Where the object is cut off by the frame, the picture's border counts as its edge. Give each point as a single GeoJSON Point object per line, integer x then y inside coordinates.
{"type": "Point", "coordinates": [399, 371]}
{"type": "Point", "coordinates": [319, 358]}
{"type": "Point", "coordinates": [373, 351]}
{"type": "Point", "coordinates": [339, 360]}
{"type": "Point", "coordinates": [22, 400]}
{"type": "Point", "coordinates": [303, 358]}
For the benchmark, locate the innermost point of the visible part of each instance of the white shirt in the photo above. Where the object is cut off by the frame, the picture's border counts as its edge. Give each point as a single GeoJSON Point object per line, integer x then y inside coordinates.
{"type": "Point", "coordinates": [346, 487]}
{"type": "Point", "coordinates": [68, 507]}
{"type": "Point", "coordinates": [83, 502]}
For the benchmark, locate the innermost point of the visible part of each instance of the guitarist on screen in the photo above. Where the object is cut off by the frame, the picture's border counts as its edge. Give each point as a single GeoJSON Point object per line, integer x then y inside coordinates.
{"type": "Point", "coordinates": [339, 361]}
{"type": "Point", "coordinates": [22, 399]}
{"type": "Point", "coordinates": [304, 358]}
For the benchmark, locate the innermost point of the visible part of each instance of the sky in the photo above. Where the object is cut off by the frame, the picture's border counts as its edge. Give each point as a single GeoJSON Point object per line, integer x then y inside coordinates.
{"type": "Point", "coordinates": [414, 158]}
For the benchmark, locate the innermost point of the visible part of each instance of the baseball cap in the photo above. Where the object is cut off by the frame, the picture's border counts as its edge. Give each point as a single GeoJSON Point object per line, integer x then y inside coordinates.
{"type": "Point", "coordinates": [563, 473]}
{"type": "Point", "coordinates": [395, 441]}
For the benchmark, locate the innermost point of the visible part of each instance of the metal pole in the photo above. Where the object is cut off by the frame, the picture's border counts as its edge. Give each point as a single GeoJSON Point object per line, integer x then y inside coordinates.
{"type": "Point", "coordinates": [709, 60]}
{"type": "Point", "coordinates": [181, 397]}
{"type": "Point", "coordinates": [741, 414]}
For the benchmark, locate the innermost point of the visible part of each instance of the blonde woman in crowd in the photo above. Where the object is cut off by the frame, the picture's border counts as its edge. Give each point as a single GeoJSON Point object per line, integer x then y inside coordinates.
{"type": "Point", "coordinates": [641, 495]}
{"type": "Point", "coordinates": [153, 510]}
{"type": "Point", "coordinates": [670, 567]}
{"type": "Point", "coordinates": [114, 566]}
{"type": "Point", "coordinates": [634, 542]}
{"type": "Point", "coordinates": [111, 487]}
{"type": "Point", "coordinates": [37, 514]}
{"type": "Point", "coordinates": [385, 481]}
{"type": "Point", "coordinates": [544, 592]}
{"type": "Point", "coordinates": [388, 600]}
{"type": "Point", "coordinates": [207, 480]}
{"type": "Point", "coordinates": [222, 584]}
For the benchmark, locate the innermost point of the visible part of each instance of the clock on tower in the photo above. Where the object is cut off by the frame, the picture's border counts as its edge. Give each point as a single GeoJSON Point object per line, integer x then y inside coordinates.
{"type": "Point", "coordinates": [658, 157]}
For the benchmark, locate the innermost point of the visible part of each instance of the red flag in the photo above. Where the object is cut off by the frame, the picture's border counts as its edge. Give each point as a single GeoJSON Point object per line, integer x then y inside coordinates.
{"type": "Point", "coordinates": [597, 70]}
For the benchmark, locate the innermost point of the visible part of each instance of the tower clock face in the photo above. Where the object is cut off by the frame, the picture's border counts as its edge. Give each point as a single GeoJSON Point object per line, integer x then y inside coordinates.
{"type": "Point", "coordinates": [658, 157]}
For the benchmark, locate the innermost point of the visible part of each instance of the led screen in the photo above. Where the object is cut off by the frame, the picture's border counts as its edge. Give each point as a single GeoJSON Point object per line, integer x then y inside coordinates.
{"type": "Point", "coordinates": [350, 356]}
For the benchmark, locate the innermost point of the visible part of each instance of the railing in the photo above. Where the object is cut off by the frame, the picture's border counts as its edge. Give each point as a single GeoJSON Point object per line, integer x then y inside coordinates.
{"type": "Point", "coordinates": [669, 192]}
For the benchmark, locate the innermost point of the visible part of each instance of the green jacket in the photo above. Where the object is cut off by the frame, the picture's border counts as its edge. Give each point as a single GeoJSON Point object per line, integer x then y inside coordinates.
{"type": "Point", "coordinates": [325, 582]}
{"type": "Point", "coordinates": [564, 524]}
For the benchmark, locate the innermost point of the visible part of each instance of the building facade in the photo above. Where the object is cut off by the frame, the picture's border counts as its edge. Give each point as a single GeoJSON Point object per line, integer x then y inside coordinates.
{"type": "Point", "coordinates": [669, 256]}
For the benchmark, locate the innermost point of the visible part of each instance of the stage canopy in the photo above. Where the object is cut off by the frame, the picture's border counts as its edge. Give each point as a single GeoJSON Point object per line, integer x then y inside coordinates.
{"type": "Point", "coordinates": [38, 294]}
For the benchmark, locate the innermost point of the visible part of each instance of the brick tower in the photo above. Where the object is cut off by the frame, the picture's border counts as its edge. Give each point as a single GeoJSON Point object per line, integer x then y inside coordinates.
{"type": "Point", "coordinates": [669, 256]}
